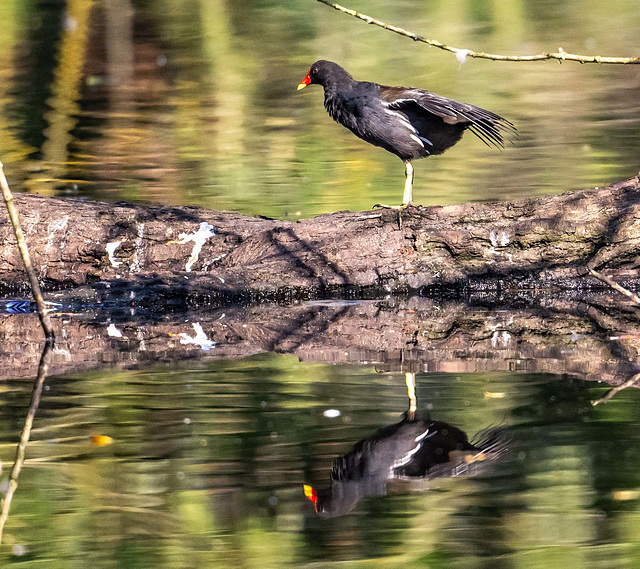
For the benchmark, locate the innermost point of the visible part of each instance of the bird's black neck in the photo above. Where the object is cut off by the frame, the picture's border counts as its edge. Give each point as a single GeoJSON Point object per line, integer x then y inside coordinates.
{"type": "Point", "coordinates": [337, 81]}
{"type": "Point", "coordinates": [338, 94]}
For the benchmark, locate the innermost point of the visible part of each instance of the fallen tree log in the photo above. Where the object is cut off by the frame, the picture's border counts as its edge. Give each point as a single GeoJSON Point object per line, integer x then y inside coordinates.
{"type": "Point", "coordinates": [543, 242]}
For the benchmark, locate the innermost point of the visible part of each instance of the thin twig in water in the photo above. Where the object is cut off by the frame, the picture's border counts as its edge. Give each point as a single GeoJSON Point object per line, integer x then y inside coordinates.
{"type": "Point", "coordinates": [615, 390]}
{"type": "Point", "coordinates": [462, 54]}
{"type": "Point", "coordinates": [614, 285]}
{"type": "Point", "coordinates": [36, 393]}
{"type": "Point", "coordinates": [45, 320]}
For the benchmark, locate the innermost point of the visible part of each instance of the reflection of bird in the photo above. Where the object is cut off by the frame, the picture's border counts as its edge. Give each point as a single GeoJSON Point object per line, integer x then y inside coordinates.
{"type": "Point", "coordinates": [410, 123]}
{"type": "Point", "coordinates": [415, 447]}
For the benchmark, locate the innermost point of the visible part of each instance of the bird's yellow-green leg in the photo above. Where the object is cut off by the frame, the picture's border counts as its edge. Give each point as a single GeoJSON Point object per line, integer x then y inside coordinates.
{"type": "Point", "coordinates": [410, 378]}
{"type": "Point", "coordinates": [407, 197]}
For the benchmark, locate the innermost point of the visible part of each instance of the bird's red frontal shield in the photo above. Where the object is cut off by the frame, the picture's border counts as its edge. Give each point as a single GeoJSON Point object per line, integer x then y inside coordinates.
{"type": "Point", "coordinates": [305, 81]}
{"type": "Point", "coordinates": [310, 492]}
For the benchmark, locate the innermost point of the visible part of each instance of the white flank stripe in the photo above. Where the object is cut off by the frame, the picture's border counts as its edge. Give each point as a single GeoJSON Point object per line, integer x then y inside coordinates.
{"type": "Point", "coordinates": [417, 139]}
{"type": "Point", "coordinates": [403, 120]}
{"type": "Point", "coordinates": [408, 125]}
{"type": "Point", "coordinates": [424, 435]}
{"type": "Point", "coordinates": [407, 458]}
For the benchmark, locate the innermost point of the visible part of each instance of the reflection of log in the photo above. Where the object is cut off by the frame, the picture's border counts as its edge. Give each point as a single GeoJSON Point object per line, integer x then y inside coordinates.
{"type": "Point", "coordinates": [542, 242]}
{"type": "Point", "coordinates": [594, 342]}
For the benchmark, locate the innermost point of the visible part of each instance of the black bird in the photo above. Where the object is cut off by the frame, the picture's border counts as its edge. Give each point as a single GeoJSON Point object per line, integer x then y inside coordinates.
{"type": "Point", "coordinates": [414, 448]}
{"type": "Point", "coordinates": [408, 122]}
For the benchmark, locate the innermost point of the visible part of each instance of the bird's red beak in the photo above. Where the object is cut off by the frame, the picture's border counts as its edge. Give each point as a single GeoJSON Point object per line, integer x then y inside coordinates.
{"type": "Point", "coordinates": [305, 81]}
{"type": "Point", "coordinates": [310, 492]}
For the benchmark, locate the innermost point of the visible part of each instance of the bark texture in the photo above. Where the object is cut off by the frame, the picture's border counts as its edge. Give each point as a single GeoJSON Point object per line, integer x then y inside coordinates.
{"type": "Point", "coordinates": [543, 242]}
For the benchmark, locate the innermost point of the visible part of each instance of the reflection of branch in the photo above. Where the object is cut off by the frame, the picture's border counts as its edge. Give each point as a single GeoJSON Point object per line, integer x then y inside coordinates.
{"type": "Point", "coordinates": [615, 390]}
{"type": "Point", "coordinates": [462, 54]}
{"type": "Point", "coordinates": [24, 252]}
{"type": "Point", "coordinates": [614, 285]}
{"type": "Point", "coordinates": [26, 433]}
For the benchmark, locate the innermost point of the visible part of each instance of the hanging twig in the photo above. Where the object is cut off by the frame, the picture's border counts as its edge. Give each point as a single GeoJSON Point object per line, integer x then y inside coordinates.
{"type": "Point", "coordinates": [614, 285]}
{"type": "Point", "coordinates": [462, 54]}
{"type": "Point", "coordinates": [36, 393]}
{"type": "Point", "coordinates": [45, 320]}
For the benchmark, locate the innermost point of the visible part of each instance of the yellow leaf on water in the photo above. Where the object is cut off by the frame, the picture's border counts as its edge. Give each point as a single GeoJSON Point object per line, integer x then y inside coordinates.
{"type": "Point", "coordinates": [101, 440]}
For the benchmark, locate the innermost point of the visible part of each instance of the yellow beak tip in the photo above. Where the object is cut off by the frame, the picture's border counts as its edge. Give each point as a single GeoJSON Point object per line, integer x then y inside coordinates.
{"type": "Point", "coordinates": [301, 86]}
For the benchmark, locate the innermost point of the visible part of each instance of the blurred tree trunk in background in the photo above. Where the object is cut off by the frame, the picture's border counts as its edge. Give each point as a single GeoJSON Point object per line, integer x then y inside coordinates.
{"type": "Point", "coordinates": [63, 116]}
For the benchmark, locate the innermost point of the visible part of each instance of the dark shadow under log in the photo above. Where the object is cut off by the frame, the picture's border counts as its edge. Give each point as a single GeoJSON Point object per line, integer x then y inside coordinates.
{"type": "Point", "coordinates": [545, 242]}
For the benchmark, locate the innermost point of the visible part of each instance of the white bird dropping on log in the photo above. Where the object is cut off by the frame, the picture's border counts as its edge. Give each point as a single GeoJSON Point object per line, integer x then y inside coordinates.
{"type": "Point", "coordinates": [200, 338]}
{"type": "Point", "coordinates": [199, 238]}
{"type": "Point", "coordinates": [111, 247]}
{"type": "Point", "coordinates": [113, 332]}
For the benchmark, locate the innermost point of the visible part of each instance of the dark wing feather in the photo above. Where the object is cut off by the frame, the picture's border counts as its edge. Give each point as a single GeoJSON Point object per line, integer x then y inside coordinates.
{"type": "Point", "coordinates": [487, 126]}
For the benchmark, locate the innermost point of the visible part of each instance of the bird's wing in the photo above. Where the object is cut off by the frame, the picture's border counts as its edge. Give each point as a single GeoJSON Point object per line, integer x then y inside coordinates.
{"type": "Point", "coordinates": [487, 126]}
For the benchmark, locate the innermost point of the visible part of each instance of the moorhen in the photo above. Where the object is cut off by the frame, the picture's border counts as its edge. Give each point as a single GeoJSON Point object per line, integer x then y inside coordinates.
{"type": "Point", "coordinates": [408, 122]}
{"type": "Point", "coordinates": [415, 448]}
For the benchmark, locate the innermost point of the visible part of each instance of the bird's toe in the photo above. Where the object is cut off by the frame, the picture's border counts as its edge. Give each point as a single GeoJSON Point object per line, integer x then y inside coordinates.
{"type": "Point", "coordinates": [397, 207]}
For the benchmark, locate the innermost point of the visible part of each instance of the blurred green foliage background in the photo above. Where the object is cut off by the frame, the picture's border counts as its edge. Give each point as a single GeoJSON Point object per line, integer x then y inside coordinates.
{"type": "Point", "coordinates": [194, 101]}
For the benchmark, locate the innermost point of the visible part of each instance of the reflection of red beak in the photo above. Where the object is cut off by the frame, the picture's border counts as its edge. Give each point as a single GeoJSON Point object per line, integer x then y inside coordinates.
{"type": "Point", "coordinates": [310, 492]}
{"type": "Point", "coordinates": [302, 85]}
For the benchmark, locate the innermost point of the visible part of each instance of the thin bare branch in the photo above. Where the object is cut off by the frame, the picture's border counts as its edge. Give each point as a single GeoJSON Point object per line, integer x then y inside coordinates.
{"type": "Point", "coordinates": [462, 54]}
{"type": "Point", "coordinates": [25, 435]}
{"type": "Point", "coordinates": [614, 285]}
{"type": "Point", "coordinates": [45, 320]}
{"type": "Point", "coordinates": [610, 394]}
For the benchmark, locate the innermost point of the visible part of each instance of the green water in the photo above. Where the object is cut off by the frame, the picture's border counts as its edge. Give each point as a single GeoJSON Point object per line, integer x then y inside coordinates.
{"type": "Point", "coordinates": [208, 461]}
{"type": "Point", "coordinates": [194, 102]}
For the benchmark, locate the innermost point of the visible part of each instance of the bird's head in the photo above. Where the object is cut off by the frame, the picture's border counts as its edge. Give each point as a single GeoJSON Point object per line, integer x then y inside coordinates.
{"type": "Point", "coordinates": [321, 500]}
{"type": "Point", "coordinates": [337, 500]}
{"type": "Point", "coordinates": [325, 73]}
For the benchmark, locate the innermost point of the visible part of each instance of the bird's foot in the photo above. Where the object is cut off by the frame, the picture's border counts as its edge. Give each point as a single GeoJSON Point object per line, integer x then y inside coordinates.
{"type": "Point", "coordinates": [398, 208]}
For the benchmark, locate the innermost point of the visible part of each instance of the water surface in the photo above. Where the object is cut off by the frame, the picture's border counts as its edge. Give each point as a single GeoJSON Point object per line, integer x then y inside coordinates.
{"type": "Point", "coordinates": [208, 461]}
{"type": "Point", "coordinates": [193, 102]}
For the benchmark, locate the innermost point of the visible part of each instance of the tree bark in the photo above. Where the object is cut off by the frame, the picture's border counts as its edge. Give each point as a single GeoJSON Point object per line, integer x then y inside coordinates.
{"type": "Point", "coordinates": [545, 242]}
